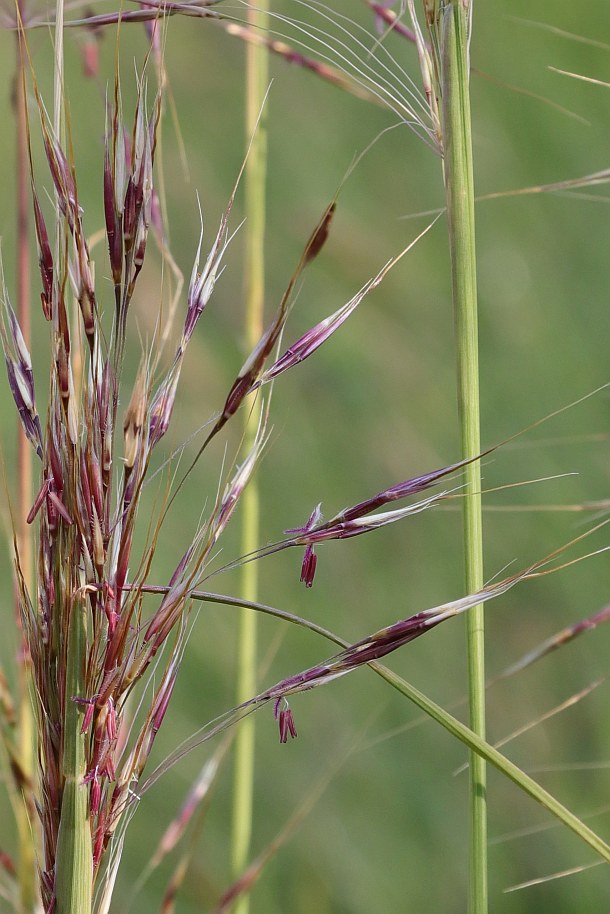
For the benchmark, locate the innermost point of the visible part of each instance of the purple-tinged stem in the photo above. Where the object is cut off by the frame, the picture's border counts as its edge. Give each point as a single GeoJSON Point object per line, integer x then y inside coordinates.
{"type": "Point", "coordinates": [391, 19]}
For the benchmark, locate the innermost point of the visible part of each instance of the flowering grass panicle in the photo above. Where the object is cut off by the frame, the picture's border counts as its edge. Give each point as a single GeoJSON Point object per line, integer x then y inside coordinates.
{"type": "Point", "coordinates": [91, 638]}
{"type": "Point", "coordinates": [103, 638]}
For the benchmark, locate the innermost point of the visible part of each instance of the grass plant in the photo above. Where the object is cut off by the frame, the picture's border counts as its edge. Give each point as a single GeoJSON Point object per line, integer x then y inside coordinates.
{"type": "Point", "coordinates": [137, 512]}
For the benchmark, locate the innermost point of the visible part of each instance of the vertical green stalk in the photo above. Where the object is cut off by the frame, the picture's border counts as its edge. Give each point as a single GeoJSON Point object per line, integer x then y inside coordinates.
{"type": "Point", "coordinates": [255, 183]}
{"type": "Point", "coordinates": [459, 190]}
{"type": "Point", "coordinates": [74, 858]}
{"type": "Point", "coordinates": [74, 853]}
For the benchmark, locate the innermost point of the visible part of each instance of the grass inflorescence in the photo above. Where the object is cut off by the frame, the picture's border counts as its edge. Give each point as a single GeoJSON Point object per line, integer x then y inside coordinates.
{"type": "Point", "coordinates": [104, 635]}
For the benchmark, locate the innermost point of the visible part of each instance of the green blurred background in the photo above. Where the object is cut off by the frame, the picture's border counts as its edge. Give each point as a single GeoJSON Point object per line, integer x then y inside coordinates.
{"type": "Point", "coordinates": [377, 404]}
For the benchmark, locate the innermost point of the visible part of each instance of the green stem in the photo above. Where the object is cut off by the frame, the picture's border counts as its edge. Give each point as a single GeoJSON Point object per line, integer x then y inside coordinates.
{"type": "Point", "coordinates": [482, 750]}
{"type": "Point", "coordinates": [453, 726]}
{"type": "Point", "coordinates": [74, 858]}
{"type": "Point", "coordinates": [459, 189]}
{"type": "Point", "coordinates": [255, 182]}
{"type": "Point", "coordinates": [74, 853]}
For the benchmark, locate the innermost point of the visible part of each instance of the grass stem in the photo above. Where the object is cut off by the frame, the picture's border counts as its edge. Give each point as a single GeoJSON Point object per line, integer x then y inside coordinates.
{"type": "Point", "coordinates": [255, 185]}
{"type": "Point", "coordinates": [74, 868]}
{"type": "Point", "coordinates": [459, 187]}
